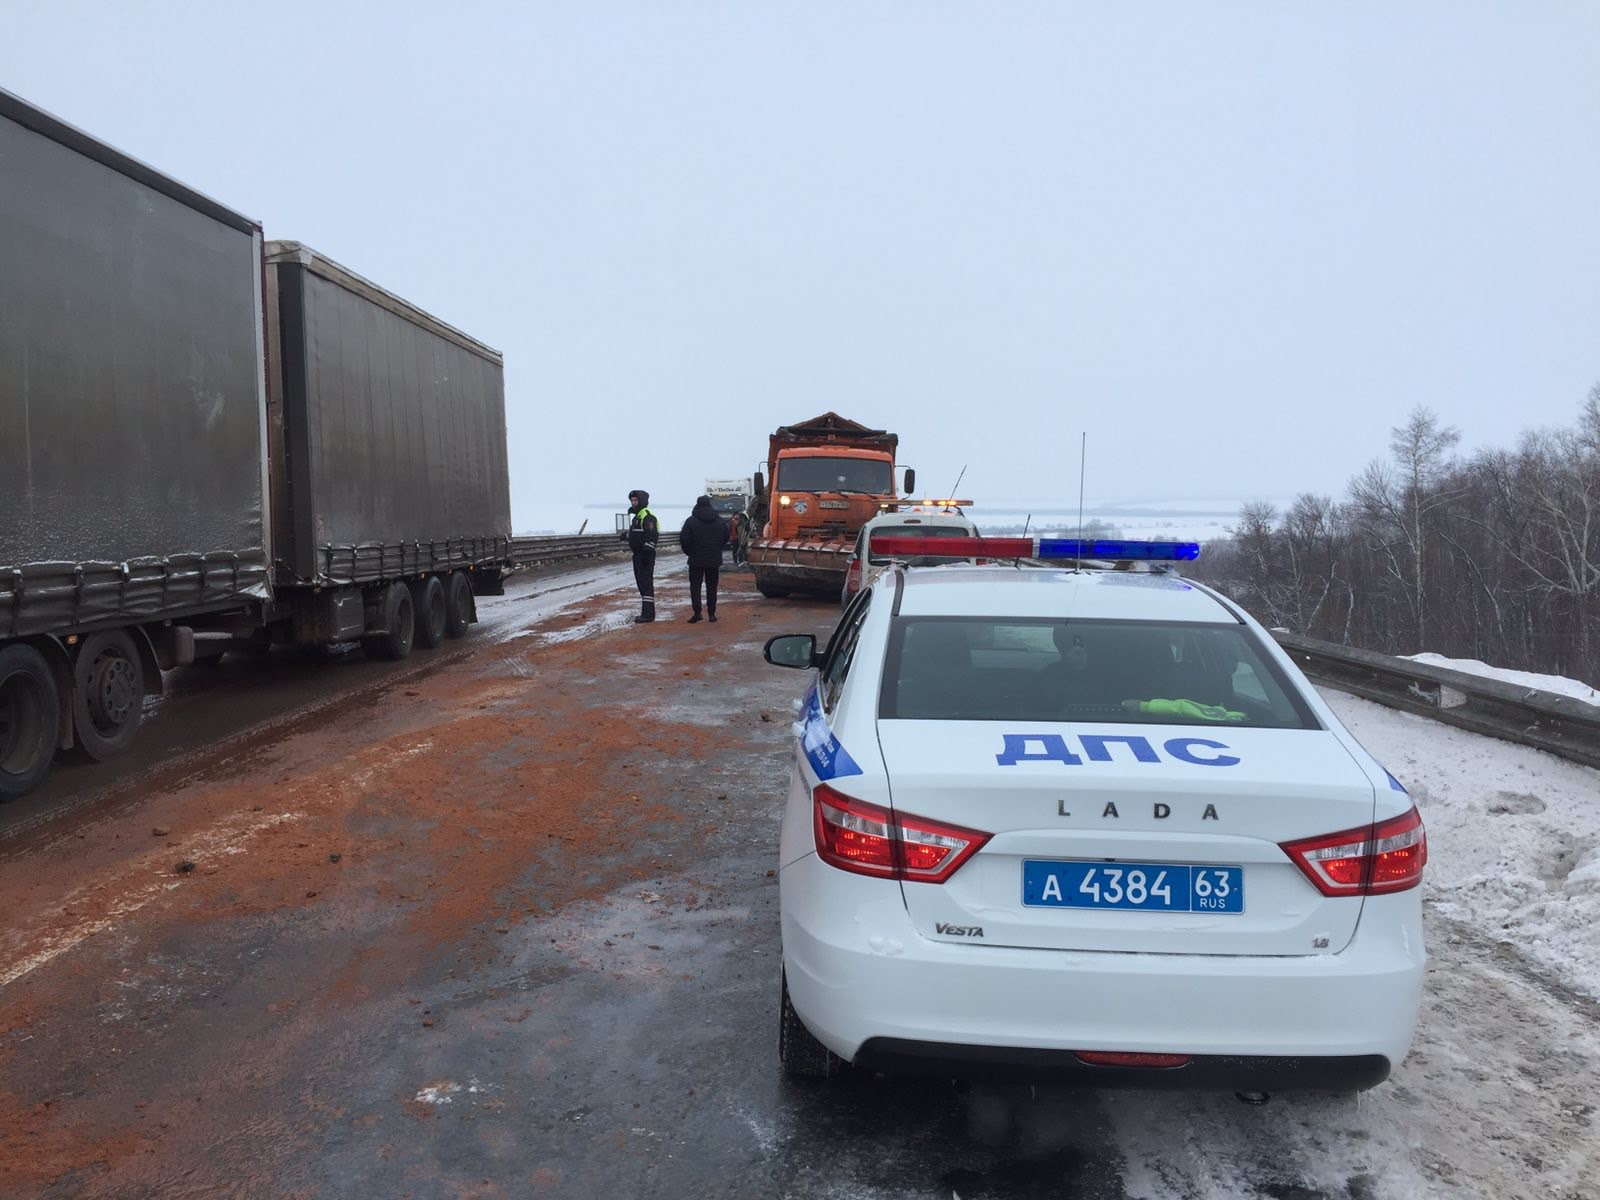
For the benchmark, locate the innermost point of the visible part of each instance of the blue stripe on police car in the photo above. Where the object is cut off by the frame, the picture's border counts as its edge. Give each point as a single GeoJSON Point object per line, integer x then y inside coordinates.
{"type": "Point", "coordinates": [827, 757]}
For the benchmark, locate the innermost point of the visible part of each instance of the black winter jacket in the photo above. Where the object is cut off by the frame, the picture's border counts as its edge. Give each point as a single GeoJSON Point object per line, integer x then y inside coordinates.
{"type": "Point", "coordinates": [704, 535]}
{"type": "Point", "coordinates": [643, 530]}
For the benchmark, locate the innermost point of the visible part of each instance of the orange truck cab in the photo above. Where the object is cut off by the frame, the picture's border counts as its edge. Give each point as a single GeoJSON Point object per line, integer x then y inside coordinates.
{"type": "Point", "coordinates": [828, 477]}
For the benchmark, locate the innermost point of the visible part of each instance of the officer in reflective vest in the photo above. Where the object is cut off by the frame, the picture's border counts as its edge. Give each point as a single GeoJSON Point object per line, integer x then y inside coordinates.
{"type": "Point", "coordinates": [642, 534]}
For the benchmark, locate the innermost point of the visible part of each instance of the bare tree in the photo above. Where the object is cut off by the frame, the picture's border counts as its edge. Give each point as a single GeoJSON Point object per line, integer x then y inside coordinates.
{"type": "Point", "coordinates": [1310, 541]}
{"type": "Point", "coordinates": [1496, 558]}
{"type": "Point", "coordinates": [1549, 524]}
{"type": "Point", "coordinates": [1255, 539]}
{"type": "Point", "coordinates": [1398, 507]}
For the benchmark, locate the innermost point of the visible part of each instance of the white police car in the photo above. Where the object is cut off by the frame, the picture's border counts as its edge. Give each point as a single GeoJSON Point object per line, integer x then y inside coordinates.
{"type": "Point", "coordinates": [927, 519]}
{"type": "Point", "coordinates": [1086, 825]}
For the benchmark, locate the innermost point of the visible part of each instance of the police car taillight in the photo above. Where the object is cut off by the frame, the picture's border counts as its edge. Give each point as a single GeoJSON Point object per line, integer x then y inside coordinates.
{"type": "Point", "coordinates": [852, 577]}
{"type": "Point", "coordinates": [1369, 861]}
{"type": "Point", "coordinates": [868, 840]}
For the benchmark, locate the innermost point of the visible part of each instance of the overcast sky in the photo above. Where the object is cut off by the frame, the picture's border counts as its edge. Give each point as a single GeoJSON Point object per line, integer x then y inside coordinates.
{"type": "Point", "coordinates": [1234, 242]}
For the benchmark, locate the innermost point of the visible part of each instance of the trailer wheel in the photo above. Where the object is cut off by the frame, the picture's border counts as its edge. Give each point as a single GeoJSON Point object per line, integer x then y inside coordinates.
{"type": "Point", "coordinates": [29, 703]}
{"type": "Point", "coordinates": [427, 597]}
{"type": "Point", "coordinates": [107, 694]}
{"type": "Point", "coordinates": [399, 626]}
{"type": "Point", "coordinates": [772, 592]}
{"type": "Point", "coordinates": [459, 611]}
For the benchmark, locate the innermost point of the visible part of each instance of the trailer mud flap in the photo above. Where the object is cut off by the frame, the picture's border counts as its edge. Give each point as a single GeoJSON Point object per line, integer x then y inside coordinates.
{"type": "Point", "coordinates": [321, 618]}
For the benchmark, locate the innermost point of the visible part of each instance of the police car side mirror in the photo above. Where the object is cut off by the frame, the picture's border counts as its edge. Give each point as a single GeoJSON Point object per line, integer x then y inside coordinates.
{"type": "Point", "coordinates": [797, 650]}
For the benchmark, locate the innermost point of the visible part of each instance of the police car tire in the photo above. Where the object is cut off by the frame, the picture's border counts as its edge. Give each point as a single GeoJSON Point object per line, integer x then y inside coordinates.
{"type": "Point", "coordinates": [798, 1049]}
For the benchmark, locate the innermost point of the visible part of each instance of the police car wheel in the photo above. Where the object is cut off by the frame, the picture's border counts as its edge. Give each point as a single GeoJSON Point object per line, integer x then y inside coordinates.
{"type": "Point", "coordinates": [800, 1052]}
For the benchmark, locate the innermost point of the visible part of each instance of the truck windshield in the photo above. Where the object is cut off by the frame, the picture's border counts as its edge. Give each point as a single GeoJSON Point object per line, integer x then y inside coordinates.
{"type": "Point", "coordinates": [836, 475]}
{"type": "Point", "coordinates": [1122, 672]}
{"type": "Point", "coordinates": [727, 504]}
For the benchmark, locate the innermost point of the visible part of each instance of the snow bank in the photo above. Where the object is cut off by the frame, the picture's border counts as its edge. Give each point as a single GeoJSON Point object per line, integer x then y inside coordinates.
{"type": "Point", "coordinates": [1513, 834]}
{"type": "Point", "coordinates": [1544, 683]}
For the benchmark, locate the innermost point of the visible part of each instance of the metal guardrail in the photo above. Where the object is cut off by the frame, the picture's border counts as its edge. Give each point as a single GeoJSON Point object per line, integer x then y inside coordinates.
{"type": "Point", "coordinates": [1530, 717]}
{"type": "Point", "coordinates": [538, 551]}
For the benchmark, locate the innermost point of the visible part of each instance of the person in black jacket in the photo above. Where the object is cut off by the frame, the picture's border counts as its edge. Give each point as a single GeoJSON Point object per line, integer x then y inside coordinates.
{"type": "Point", "coordinates": [641, 535]}
{"type": "Point", "coordinates": [704, 535]}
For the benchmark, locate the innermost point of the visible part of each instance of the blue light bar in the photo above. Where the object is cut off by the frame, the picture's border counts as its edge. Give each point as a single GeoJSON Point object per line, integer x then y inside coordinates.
{"type": "Point", "coordinates": [1121, 551]}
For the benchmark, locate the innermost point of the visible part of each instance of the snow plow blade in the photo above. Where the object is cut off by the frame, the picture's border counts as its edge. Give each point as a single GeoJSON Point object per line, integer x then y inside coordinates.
{"type": "Point", "coordinates": [799, 564]}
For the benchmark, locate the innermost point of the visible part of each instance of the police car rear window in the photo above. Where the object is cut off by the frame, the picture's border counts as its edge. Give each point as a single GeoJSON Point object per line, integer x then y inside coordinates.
{"type": "Point", "coordinates": [1135, 672]}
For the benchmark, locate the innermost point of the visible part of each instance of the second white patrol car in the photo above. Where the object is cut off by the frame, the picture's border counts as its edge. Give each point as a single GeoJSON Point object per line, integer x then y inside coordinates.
{"type": "Point", "coordinates": [1086, 825]}
{"type": "Point", "coordinates": [929, 519]}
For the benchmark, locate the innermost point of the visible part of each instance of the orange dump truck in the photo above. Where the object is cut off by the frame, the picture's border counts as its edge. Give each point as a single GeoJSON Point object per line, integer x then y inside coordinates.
{"type": "Point", "coordinates": [828, 477]}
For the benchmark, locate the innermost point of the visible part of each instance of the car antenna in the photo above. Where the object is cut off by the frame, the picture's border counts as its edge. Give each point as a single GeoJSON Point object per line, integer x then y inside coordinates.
{"type": "Point", "coordinates": [956, 490]}
{"type": "Point", "coordinates": [1083, 455]}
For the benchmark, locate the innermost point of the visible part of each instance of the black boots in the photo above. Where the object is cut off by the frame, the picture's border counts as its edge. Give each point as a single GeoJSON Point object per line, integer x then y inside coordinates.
{"type": "Point", "coordinates": [694, 619]}
{"type": "Point", "coordinates": [713, 615]}
{"type": "Point", "coordinates": [647, 613]}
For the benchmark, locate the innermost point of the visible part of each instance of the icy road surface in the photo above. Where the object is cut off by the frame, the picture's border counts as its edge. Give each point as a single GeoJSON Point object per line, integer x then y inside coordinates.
{"type": "Point", "coordinates": [501, 922]}
{"type": "Point", "coordinates": [518, 613]}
